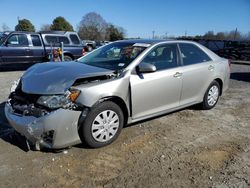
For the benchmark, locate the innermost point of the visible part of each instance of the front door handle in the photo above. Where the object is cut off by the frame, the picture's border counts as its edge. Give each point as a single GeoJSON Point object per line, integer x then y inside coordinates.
{"type": "Point", "coordinates": [211, 67]}
{"type": "Point", "coordinates": [177, 75]}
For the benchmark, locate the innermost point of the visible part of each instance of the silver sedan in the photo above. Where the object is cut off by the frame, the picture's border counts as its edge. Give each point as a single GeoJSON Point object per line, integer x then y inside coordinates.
{"type": "Point", "coordinates": [56, 105]}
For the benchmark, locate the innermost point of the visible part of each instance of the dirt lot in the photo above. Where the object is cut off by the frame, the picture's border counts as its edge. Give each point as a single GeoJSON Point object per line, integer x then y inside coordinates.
{"type": "Point", "coordinates": [189, 148]}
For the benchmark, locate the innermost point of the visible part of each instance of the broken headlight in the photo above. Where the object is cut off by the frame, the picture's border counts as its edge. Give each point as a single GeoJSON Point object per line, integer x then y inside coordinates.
{"type": "Point", "coordinates": [59, 101]}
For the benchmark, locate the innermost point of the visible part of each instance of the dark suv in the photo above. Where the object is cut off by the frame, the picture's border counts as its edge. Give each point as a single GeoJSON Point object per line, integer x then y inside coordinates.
{"type": "Point", "coordinates": [28, 47]}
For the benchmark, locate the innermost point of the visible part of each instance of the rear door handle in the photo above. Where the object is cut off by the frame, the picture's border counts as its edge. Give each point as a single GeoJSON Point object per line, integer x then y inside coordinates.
{"type": "Point", "coordinates": [211, 67]}
{"type": "Point", "coordinates": [177, 75]}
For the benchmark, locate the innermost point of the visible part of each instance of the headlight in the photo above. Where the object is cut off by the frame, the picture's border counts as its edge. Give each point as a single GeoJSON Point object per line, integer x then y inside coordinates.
{"type": "Point", "coordinates": [58, 101]}
{"type": "Point", "coordinates": [54, 101]}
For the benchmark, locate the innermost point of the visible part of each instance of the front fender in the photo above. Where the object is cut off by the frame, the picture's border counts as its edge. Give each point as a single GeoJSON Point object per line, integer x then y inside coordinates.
{"type": "Point", "coordinates": [94, 92]}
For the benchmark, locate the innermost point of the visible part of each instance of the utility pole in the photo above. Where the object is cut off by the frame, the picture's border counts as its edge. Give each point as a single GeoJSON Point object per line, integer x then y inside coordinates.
{"type": "Point", "coordinates": [166, 35]}
{"type": "Point", "coordinates": [153, 32]}
{"type": "Point", "coordinates": [235, 33]}
{"type": "Point", "coordinates": [18, 21]}
{"type": "Point", "coordinates": [185, 33]}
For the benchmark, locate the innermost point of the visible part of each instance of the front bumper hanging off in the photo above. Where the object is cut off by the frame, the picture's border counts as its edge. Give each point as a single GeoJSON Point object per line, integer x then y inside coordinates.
{"type": "Point", "coordinates": [56, 130]}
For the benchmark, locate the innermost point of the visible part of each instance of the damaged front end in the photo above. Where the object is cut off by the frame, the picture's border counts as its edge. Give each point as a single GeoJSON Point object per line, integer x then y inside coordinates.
{"type": "Point", "coordinates": [45, 107]}
{"type": "Point", "coordinates": [49, 121]}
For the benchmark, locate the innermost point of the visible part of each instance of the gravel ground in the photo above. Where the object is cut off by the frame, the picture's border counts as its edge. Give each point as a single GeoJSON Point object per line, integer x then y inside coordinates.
{"type": "Point", "coordinates": [188, 148]}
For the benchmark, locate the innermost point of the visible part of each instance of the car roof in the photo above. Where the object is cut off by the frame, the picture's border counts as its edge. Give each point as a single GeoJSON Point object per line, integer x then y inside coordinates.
{"type": "Point", "coordinates": [144, 41]}
{"type": "Point", "coordinates": [43, 32]}
{"type": "Point", "coordinates": [155, 41]}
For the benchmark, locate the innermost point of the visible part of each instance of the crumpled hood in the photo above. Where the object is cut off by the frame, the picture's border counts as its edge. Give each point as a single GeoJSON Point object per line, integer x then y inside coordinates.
{"type": "Point", "coordinates": [56, 78]}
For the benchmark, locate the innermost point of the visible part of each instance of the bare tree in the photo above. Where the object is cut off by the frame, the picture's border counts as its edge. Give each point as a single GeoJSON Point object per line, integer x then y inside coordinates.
{"type": "Point", "coordinates": [220, 36]}
{"type": "Point", "coordinates": [92, 27]}
{"type": "Point", "coordinates": [4, 27]}
{"type": "Point", "coordinates": [209, 35]}
{"type": "Point", "coordinates": [234, 35]}
{"type": "Point", "coordinates": [45, 27]}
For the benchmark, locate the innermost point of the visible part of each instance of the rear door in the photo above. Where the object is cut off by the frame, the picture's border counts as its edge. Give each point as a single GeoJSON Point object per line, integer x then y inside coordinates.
{"type": "Point", "coordinates": [198, 70]}
{"type": "Point", "coordinates": [158, 91]}
{"type": "Point", "coordinates": [38, 52]}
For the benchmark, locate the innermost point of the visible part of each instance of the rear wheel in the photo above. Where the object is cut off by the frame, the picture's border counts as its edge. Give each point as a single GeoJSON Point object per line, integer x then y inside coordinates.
{"type": "Point", "coordinates": [211, 96]}
{"type": "Point", "coordinates": [102, 125]}
{"type": "Point", "coordinates": [67, 58]}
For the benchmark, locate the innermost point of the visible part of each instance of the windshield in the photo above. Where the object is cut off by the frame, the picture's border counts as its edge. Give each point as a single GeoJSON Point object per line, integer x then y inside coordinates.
{"type": "Point", "coordinates": [114, 56]}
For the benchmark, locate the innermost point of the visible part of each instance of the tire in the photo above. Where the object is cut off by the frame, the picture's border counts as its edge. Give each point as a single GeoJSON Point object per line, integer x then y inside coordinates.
{"type": "Point", "coordinates": [67, 58]}
{"type": "Point", "coordinates": [96, 130]}
{"type": "Point", "coordinates": [211, 96]}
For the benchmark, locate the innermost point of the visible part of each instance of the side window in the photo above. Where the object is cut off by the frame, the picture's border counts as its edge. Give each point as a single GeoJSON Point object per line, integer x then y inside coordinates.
{"type": "Point", "coordinates": [192, 54]}
{"type": "Point", "coordinates": [18, 40]}
{"type": "Point", "coordinates": [51, 39]}
{"type": "Point", "coordinates": [65, 40]}
{"type": "Point", "coordinates": [163, 57]}
{"type": "Point", "coordinates": [36, 41]}
{"type": "Point", "coordinates": [74, 39]}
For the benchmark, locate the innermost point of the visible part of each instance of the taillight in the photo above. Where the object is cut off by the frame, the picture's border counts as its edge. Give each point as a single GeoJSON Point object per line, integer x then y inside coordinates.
{"type": "Point", "coordinates": [83, 51]}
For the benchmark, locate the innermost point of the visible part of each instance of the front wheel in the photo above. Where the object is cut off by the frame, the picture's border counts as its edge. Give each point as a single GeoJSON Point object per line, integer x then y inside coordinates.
{"type": "Point", "coordinates": [211, 96]}
{"type": "Point", "coordinates": [102, 125]}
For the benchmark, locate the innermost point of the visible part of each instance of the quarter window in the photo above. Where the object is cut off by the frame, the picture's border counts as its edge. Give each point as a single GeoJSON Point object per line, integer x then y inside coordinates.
{"type": "Point", "coordinates": [74, 39]}
{"type": "Point", "coordinates": [163, 57]}
{"type": "Point", "coordinates": [18, 40]}
{"type": "Point", "coordinates": [36, 41]}
{"type": "Point", "coordinates": [191, 54]}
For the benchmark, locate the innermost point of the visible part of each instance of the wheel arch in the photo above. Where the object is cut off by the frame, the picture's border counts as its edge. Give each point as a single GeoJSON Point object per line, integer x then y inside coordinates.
{"type": "Point", "coordinates": [68, 54]}
{"type": "Point", "coordinates": [220, 82]}
{"type": "Point", "coordinates": [120, 102]}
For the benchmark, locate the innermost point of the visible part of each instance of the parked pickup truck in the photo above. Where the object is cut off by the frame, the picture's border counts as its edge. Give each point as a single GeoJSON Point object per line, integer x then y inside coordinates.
{"type": "Point", "coordinates": [27, 47]}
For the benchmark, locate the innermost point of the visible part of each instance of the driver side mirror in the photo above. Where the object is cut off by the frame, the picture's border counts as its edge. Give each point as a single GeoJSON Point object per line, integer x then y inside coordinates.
{"type": "Point", "coordinates": [146, 68]}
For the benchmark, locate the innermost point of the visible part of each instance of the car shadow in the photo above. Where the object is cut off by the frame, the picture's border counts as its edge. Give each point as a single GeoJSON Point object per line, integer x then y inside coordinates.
{"type": "Point", "coordinates": [241, 76]}
{"type": "Point", "coordinates": [8, 134]}
{"type": "Point", "coordinates": [15, 67]}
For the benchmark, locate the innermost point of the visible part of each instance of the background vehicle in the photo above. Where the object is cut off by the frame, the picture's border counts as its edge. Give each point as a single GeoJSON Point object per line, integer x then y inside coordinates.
{"type": "Point", "coordinates": [234, 50]}
{"type": "Point", "coordinates": [90, 44]}
{"type": "Point", "coordinates": [59, 104]}
{"type": "Point", "coordinates": [25, 47]}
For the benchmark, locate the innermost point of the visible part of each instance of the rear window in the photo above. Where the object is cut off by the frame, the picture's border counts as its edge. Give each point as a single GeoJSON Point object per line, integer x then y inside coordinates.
{"type": "Point", "coordinates": [65, 40]}
{"type": "Point", "coordinates": [192, 54]}
{"type": "Point", "coordinates": [56, 39]}
{"type": "Point", "coordinates": [74, 39]}
{"type": "Point", "coordinates": [36, 41]}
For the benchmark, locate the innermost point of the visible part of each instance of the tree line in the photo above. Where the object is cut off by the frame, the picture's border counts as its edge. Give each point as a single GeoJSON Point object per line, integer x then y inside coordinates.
{"type": "Point", "coordinates": [94, 27]}
{"type": "Point", "coordinates": [231, 35]}
{"type": "Point", "coordinates": [91, 27]}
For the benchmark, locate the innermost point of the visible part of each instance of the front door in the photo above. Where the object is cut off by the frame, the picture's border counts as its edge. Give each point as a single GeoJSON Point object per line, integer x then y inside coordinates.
{"type": "Point", "coordinates": [16, 49]}
{"type": "Point", "coordinates": [158, 91]}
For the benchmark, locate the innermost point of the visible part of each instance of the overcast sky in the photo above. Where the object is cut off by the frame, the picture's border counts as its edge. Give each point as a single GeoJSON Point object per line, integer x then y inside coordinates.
{"type": "Point", "coordinates": [138, 17]}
